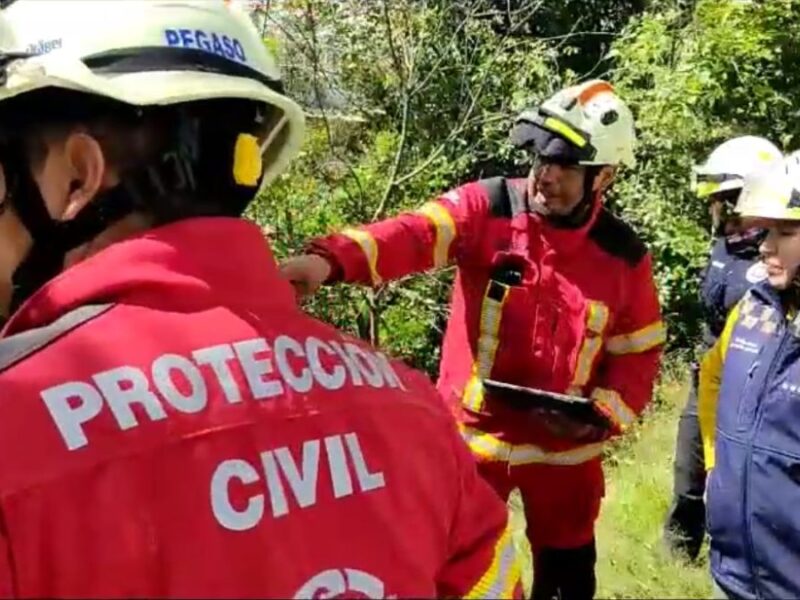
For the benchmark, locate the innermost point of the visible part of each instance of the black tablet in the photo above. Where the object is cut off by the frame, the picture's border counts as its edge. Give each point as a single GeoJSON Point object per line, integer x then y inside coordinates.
{"type": "Point", "coordinates": [524, 398]}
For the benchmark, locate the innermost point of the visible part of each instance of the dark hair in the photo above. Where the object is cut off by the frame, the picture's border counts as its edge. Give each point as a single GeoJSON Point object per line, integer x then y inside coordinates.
{"type": "Point", "coordinates": [137, 140]}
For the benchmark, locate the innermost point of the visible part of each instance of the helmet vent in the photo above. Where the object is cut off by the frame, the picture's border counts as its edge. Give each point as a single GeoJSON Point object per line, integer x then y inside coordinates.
{"type": "Point", "coordinates": [794, 199]}
{"type": "Point", "coordinates": [609, 117]}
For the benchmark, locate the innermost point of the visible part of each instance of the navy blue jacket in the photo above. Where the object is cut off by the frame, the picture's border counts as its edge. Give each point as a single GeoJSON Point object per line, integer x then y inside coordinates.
{"type": "Point", "coordinates": [733, 268]}
{"type": "Point", "coordinates": [750, 387]}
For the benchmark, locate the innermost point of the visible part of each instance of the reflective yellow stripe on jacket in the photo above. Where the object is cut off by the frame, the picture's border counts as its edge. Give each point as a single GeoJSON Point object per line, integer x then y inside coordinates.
{"type": "Point", "coordinates": [596, 322]}
{"type": "Point", "coordinates": [642, 340]}
{"type": "Point", "coordinates": [445, 228]}
{"type": "Point", "coordinates": [370, 249]}
{"type": "Point", "coordinates": [488, 339]}
{"type": "Point", "coordinates": [710, 380]}
{"type": "Point", "coordinates": [503, 574]}
{"type": "Point", "coordinates": [614, 406]}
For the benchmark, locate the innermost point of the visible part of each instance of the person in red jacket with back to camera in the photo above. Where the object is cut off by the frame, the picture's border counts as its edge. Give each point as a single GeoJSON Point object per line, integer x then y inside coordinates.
{"type": "Point", "coordinates": [171, 424]}
{"type": "Point", "coordinates": [552, 292]}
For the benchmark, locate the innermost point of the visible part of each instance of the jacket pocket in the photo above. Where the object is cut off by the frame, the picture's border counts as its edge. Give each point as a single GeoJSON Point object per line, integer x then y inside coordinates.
{"type": "Point", "coordinates": [725, 497]}
{"type": "Point", "coordinates": [774, 497]}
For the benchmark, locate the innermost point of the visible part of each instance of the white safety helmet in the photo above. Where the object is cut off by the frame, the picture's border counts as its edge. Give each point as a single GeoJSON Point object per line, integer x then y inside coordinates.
{"type": "Point", "coordinates": [138, 52]}
{"type": "Point", "coordinates": [772, 193]}
{"type": "Point", "coordinates": [594, 120]}
{"type": "Point", "coordinates": [732, 161]}
{"type": "Point", "coordinates": [165, 64]}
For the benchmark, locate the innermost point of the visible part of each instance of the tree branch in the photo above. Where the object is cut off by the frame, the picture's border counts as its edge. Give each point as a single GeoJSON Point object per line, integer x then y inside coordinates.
{"type": "Point", "coordinates": [390, 38]}
{"type": "Point", "coordinates": [398, 157]}
{"type": "Point", "coordinates": [573, 34]}
{"type": "Point", "coordinates": [318, 95]}
{"type": "Point", "coordinates": [451, 43]}
{"type": "Point", "coordinates": [387, 192]}
{"type": "Point", "coordinates": [501, 49]}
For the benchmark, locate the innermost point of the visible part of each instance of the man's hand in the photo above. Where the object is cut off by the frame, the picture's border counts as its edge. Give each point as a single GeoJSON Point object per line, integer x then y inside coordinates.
{"type": "Point", "coordinates": [562, 426]}
{"type": "Point", "coordinates": [306, 273]}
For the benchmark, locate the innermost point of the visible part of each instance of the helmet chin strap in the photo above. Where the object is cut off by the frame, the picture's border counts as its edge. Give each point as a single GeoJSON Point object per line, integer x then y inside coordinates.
{"type": "Point", "coordinates": [53, 239]}
{"type": "Point", "coordinates": [46, 258]}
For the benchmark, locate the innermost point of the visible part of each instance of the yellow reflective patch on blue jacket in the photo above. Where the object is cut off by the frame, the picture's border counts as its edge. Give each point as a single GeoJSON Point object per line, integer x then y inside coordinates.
{"type": "Point", "coordinates": [710, 381]}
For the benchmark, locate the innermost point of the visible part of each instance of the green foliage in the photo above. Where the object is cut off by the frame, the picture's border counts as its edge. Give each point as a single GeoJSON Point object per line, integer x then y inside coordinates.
{"type": "Point", "coordinates": [426, 94]}
{"type": "Point", "coordinates": [583, 30]}
{"type": "Point", "coordinates": [695, 77]}
{"type": "Point", "coordinates": [410, 97]}
{"type": "Point", "coordinates": [632, 562]}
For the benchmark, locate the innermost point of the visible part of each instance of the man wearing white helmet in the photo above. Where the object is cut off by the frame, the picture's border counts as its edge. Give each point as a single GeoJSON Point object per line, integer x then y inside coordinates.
{"type": "Point", "coordinates": [748, 407]}
{"type": "Point", "coordinates": [171, 424]}
{"type": "Point", "coordinates": [553, 294]}
{"type": "Point", "coordinates": [734, 266]}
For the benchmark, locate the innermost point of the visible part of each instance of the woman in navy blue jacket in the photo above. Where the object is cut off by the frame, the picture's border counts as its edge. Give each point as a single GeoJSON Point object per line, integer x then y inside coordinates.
{"type": "Point", "coordinates": [732, 268]}
{"type": "Point", "coordinates": [749, 408]}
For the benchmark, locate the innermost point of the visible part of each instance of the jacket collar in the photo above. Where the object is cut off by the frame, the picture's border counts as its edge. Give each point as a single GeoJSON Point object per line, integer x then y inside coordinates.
{"type": "Point", "coordinates": [568, 241]}
{"type": "Point", "coordinates": [565, 241]}
{"type": "Point", "coordinates": [184, 266]}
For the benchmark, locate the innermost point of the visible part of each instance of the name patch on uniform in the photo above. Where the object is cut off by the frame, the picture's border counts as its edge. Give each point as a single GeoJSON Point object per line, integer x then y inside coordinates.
{"type": "Point", "coordinates": [209, 41]}
{"type": "Point", "coordinates": [739, 343]}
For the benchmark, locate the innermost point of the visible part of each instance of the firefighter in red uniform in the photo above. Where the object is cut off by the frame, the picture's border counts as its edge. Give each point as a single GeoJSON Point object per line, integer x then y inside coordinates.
{"type": "Point", "coordinates": [552, 292]}
{"type": "Point", "coordinates": [171, 424]}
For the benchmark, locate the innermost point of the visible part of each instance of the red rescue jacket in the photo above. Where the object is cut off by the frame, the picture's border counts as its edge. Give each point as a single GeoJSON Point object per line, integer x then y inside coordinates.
{"type": "Point", "coordinates": [172, 426]}
{"type": "Point", "coordinates": [580, 316]}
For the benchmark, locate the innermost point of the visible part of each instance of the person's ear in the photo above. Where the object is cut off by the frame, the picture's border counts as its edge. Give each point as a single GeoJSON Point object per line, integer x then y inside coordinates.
{"type": "Point", "coordinates": [604, 178]}
{"type": "Point", "coordinates": [87, 166]}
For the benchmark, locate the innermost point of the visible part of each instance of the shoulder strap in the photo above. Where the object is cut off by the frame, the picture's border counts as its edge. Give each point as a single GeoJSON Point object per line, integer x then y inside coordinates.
{"type": "Point", "coordinates": [517, 194]}
{"type": "Point", "coordinates": [22, 345]}
{"type": "Point", "coordinates": [505, 200]}
{"type": "Point", "coordinates": [508, 199]}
